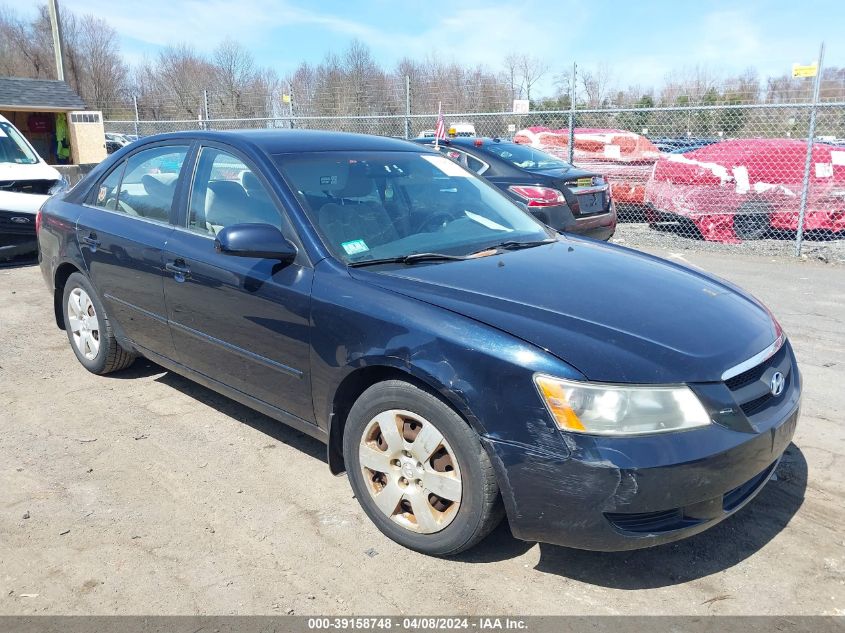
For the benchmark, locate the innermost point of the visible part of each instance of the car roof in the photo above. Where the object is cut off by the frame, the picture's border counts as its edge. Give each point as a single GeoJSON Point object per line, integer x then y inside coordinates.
{"type": "Point", "coordinates": [288, 141]}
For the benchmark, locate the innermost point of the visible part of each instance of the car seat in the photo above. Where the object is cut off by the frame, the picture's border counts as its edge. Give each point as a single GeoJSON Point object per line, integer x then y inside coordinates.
{"type": "Point", "coordinates": [348, 217]}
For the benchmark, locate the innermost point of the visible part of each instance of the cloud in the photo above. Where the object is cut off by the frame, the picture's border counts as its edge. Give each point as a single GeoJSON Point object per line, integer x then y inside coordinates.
{"type": "Point", "coordinates": [204, 23]}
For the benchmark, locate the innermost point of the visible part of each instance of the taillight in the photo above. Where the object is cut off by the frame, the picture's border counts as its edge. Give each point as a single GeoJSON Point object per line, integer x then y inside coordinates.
{"type": "Point", "coordinates": [539, 196]}
{"type": "Point", "coordinates": [38, 219]}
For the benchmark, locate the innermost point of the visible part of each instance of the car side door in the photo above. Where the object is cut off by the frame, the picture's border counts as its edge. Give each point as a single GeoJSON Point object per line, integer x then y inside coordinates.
{"type": "Point", "coordinates": [122, 229]}
{"type": "Point", "coordinates": [241, 321]}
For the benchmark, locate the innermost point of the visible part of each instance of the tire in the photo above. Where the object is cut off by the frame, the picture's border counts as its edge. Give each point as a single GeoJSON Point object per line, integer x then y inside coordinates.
{"type": "Point", "coordinates": [753, 220]}
{"type": "Point", "coordinates": [89, 329]}
{"type": "Point", "coordinates": [420, 520]}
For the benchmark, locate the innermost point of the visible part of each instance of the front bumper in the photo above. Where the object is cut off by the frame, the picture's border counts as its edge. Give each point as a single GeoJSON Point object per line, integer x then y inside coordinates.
{"type": "Point", "coordinates": [613, 494]}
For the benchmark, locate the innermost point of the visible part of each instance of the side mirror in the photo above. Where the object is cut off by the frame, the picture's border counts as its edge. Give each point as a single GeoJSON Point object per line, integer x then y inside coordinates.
{"type": "Point", "coordinates": [255, 240]}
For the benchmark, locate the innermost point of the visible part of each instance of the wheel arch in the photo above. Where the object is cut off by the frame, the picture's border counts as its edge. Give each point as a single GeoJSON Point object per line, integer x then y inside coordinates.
{"type": "Point", "coordinates": [60, 277]}
{"type": "Point", "coordinates": [362, 378]}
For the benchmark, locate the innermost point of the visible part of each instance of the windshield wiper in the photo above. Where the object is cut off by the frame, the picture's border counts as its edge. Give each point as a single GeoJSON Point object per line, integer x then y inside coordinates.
{"type": "Point", "coordinates": [513, 245]}
{"type": "Point", "coordinates": [413, 258]}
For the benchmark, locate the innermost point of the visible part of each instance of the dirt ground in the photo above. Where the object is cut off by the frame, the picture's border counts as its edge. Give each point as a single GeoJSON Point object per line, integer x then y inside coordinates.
{"type": "Point", "coordinates": [143, 493]}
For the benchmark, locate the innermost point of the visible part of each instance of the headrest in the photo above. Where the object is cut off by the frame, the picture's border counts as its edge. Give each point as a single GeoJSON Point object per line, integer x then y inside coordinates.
{"type": "Point", "coordinates": [358, 184]}
{"type": "Point", "coordinates": [223, 199]}
{"type": "Point", "coordinates": [251, 182]}
{"type": "Point", "coordinates": [159, 185]}
{"type": "Point", "coordinates": [227, 191]}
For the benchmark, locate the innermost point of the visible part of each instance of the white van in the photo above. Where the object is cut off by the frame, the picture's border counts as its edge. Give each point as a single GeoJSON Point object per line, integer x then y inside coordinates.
{"type": "Point", "coordinates": [26, 181]}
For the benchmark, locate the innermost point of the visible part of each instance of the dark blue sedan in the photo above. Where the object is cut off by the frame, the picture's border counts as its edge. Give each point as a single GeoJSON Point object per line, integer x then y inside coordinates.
{"type": "Point", "coordinates": [560, 195]}
{"type": "Point", "coordinates": [461, 360]}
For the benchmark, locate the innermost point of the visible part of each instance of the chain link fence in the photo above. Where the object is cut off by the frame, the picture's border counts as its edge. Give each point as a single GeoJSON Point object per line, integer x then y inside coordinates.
{"type": "Point", "coordinates": [723, 177]}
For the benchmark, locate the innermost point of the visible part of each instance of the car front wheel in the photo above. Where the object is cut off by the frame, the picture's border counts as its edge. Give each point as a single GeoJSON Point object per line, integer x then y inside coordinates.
{"type": "Point", "coordinates": [419, 471]}
{"type": "Point", "coordinates": [89, 330]}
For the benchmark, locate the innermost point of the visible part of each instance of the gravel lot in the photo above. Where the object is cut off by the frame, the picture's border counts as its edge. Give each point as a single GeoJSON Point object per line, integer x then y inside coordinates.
{"type": "Point", "coordinates": [143, 493]}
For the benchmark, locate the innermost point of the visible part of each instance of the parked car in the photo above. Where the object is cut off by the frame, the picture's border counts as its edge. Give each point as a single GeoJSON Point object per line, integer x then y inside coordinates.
{"type": "Point", "coordinates": [115, 137]}
{"type": "Point", "coordinates": [460, 130]}
{"type": "Point", "coordinates": [113, 146]}
{"type": "Point", "coordinates": [624, 158]}
{"type": "Point", "coordinates": [460, 359]}
{"type": "Point", "coordinates": [682, 144]}
{"type": "Point", "coordinates": [26, 181]}
{"type": "Point", "coordinates": [749, 189]}
{"type": "Point", "coordinates": [555, 192]}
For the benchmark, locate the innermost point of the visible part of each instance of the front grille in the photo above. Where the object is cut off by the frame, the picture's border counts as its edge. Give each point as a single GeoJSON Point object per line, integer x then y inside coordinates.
{"type": "Point", "coordinates": [27, 186]}
{"type": "Point", "coordinates": [751, 388]}
{"type": "Point", "coordinates": [755, 373]}
{"type": "Point", "coordinates": [756, 405]}
{"type": "Point", "coordinates": [645, 522]}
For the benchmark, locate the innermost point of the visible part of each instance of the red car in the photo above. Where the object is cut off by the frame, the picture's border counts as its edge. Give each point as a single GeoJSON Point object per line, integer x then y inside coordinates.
{"type": "Point", "coordinates": [624, 158]}
{"type": "Point", "coordinates": [749, 189]}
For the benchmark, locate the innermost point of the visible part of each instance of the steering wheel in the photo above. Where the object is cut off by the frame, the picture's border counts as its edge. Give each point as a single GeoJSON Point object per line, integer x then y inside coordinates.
{"type": "Point", "coordinates": [442, 216]}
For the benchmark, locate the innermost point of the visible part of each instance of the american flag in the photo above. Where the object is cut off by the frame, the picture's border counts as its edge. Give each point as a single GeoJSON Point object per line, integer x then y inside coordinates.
{"type": "Point", "coordinates": [440, 128]}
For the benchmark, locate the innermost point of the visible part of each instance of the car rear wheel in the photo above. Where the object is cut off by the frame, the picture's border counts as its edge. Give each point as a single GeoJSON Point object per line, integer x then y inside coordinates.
{"type": "Point", "coordinates": [753, 220]}
{"type": "Point", "coordinates": [419, 471]}
{"type": "Point", "coordinates": [89, 330]}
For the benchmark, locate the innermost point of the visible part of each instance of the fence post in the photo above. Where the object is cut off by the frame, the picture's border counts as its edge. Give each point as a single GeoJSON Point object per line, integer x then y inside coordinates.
{"type": "Point", "coordinates": [572, 115]}
{"type": "Point", "coordinates": [205, 105]}
{"type": "Point", "coordinates": [290, 105]}
{"type": "Point", "coordinates": [811, 134]}
{"type": "Point", "coordinates": [135, 105]}
{"type": "Point", "coordinates": [407, 106]}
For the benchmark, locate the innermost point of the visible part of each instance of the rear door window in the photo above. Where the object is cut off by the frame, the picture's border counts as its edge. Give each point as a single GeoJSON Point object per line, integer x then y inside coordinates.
{"type": "Point", "coordinates": [149, 182]}
{"type": "Point", "coordinates": [462, 158]}
{"type": "Point", "coordinates": [105, 196]}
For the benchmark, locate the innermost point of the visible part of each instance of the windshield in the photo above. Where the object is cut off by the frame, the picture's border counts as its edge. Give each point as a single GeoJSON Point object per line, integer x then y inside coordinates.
{"type": "Point", "coordinates": [525, 156]}
{"type": "Point", "coordinates": [13, 147]}
{"type": "Point", "coordinates": [378, 205]}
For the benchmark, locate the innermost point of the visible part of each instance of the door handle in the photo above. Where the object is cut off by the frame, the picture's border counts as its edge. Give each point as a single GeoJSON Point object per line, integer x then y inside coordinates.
{"type": "Point", "coordinates": [91, 240]}
{"type": "Point", "coordinates": [179, 269]}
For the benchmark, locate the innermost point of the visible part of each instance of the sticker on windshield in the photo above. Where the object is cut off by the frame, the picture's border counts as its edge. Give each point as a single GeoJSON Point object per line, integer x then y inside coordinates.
{"type": "Point", "coordinates": [355, 246]}
{"type": "Point", "coordinates": [446, 166]}
{"type": "Point", "coordinates": [101, 194]}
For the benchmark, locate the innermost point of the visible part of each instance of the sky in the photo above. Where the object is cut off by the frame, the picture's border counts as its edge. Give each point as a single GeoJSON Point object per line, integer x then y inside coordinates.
{"type": "Point", "coordinates": [641, 41]}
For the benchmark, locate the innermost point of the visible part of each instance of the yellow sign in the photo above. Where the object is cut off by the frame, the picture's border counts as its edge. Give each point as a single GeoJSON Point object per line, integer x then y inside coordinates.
{"type": "Point", "coordinates": [805, 71]}
{"type": "Point", "coordinates": [285, 98]}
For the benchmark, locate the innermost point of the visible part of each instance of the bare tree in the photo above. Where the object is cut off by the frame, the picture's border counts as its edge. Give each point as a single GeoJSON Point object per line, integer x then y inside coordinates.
{"type": "Point", "coordinates": [597, 85]}
{"type": "Point", "coordinates": [101, 71]}
{"type": "Point", "coordinates": [531, 69]}
{"type": "Point", "coordinates": [512, 69]}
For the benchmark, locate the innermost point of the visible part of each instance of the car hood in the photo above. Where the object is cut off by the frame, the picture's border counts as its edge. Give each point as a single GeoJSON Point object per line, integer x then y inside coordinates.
{"type": "Point", "coordinates": [614, 314]}
{"type": "Point", "coordinates": [22, 171]}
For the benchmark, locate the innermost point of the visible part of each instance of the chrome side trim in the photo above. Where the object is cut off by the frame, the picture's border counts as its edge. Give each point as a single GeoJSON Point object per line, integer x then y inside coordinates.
{"type": "Point", "coordinates": [755, 360]}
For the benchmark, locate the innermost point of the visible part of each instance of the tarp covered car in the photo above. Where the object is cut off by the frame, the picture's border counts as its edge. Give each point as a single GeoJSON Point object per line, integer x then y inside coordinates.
{"type": "Point", "coordinates": [624, 158]}
{"type": "Point", "coordinates": [749, 189]}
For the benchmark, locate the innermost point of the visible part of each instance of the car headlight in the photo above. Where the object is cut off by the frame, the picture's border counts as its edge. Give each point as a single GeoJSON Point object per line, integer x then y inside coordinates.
{"type": "Point", "coordinates": [601, 409]}
{"type": "Point", "coordinates": [58, 187]}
